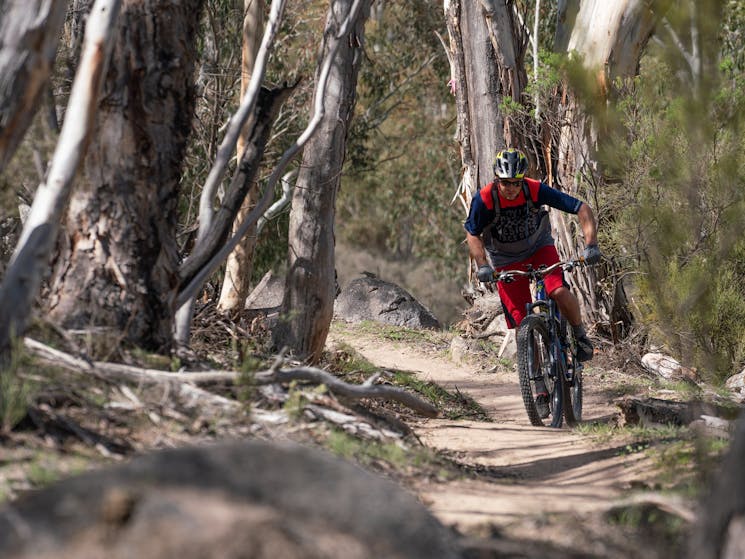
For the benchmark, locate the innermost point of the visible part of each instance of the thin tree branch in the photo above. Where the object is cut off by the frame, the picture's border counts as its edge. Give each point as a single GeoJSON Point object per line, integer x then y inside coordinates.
{"type": "Point", "coordinates": [200, 278]}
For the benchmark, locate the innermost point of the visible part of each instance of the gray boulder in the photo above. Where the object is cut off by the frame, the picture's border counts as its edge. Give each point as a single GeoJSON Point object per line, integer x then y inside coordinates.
{"type": "Point", "coordinates": [267, 295]}
{"type": "Point", "coordinates": [237, 500]}
{"type": "Point", "coordinates": [371, 298]}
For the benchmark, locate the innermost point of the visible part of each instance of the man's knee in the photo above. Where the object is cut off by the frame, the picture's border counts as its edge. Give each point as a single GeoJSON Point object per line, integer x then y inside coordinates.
{"type": "Point", "coordinates": [560, 293]}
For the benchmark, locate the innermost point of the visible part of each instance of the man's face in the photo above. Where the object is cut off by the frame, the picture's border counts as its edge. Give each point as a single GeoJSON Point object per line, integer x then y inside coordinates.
{"type": "Point", "coordinates": [510, 188]}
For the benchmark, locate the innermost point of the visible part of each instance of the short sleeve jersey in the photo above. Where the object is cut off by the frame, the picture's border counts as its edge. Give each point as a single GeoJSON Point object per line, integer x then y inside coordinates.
{"type": "Point", "coordinates": [516, 232]}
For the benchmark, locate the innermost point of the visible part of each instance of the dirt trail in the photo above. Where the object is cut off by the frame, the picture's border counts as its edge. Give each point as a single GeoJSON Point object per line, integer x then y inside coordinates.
{"type": "Point", "coordinates": [535, 471]}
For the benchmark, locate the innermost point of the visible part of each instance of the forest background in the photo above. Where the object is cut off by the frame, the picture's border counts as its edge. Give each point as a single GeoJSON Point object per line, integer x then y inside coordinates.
{"type": "Point", "coordinates": [670, 160]}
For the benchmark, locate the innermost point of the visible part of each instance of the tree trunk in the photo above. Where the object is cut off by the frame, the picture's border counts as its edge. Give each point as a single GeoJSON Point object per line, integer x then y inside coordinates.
{"type": "Point", "coordinates": [117, 267]}
{"type": "Point", "coordinates": [29, 33]}
{"type": "Point", "coordinates": [720, 530]}
{"type": "Point", "coordinates": [259, 129]}
{"type": "Point", "coordinates": [239, 266]}
{"type": "Point", "coordinates": [310, 285]}
{"type": "Point", "coordinates": [31, 257]}
{"type": "Point", "coordinates": [611, 37]}
{"type": "Point", "coordinates": [487, 56]}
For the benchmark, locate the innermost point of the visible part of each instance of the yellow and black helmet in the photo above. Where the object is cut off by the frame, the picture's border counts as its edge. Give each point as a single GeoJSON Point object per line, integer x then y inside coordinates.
{"type": "Point", "coordinates": [510, 164]}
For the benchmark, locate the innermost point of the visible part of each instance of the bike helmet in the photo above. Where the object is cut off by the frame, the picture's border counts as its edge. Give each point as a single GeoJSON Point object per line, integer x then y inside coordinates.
{"type": "Point", "coordinates": [510, 164]}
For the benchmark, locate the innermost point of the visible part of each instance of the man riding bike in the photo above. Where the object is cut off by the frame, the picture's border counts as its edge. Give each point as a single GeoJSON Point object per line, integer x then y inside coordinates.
{"type": "Point", "coordinates": [508, 228]}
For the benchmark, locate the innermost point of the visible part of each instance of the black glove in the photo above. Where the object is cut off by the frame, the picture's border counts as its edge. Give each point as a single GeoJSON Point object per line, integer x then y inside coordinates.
{"type": "Point", "coordinates": [485, 273]}
{"type": "Point", "coordinates": [592, 254]}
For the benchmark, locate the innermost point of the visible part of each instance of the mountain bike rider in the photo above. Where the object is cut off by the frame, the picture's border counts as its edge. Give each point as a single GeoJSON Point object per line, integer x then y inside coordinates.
{"type": "Point", "coordinates": [508, 228]}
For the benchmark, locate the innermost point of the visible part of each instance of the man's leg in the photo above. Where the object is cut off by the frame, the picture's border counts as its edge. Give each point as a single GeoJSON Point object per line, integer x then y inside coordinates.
{"type": "Point", "coordinates": [514, 296]}
{"type": "Point", "coordinates": [565, 300]}
{"type": "Point", "coordinates": [569, 307]}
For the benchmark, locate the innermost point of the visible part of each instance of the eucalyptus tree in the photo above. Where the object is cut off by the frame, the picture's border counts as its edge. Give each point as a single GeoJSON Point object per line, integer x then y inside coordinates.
{"type": "Point", "coordinates": [118, 261]}
{"type": "Point", "coordinates": [29, 262]}
{"type": "Point", "coordinates": [310, 286]}
{"type": "Point", "coordinates": [239, 265]}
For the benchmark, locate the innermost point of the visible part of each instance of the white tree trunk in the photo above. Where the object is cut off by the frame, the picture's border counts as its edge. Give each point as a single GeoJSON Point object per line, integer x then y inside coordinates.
{"type": "Point", "coordinates": [31, 257]}
{"type": "Point", "coordinates": [29, 33]}
{"type": "Point", "coordinates": [610, 37]}
{"type": "Point", "coordinates": [240, 262]}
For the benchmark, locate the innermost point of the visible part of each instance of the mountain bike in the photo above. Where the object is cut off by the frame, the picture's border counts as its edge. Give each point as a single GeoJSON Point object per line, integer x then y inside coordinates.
{"type": "Point", "coordinates": [546, 351]}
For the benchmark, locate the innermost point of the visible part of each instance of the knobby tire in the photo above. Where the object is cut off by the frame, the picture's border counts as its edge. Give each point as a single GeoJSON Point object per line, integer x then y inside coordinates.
{"type": "Point", "coordinates": [573, 390]}
{"type": "Point", "coordinates": [533, 354]}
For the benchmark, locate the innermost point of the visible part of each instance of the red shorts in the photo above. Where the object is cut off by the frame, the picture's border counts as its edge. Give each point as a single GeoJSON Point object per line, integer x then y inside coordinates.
{"type": "Point", "coordinates": [516, 294]}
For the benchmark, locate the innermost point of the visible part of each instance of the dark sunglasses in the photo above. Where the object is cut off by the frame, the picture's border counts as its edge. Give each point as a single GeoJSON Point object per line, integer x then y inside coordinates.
{"type": "Point", "coordinates": [510, 182]}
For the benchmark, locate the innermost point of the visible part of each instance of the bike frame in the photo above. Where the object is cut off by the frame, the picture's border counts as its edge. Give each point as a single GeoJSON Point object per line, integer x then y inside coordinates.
{"type": "Point", "coordinates": [547, 306]}
{"type": "Point", "coordinates": [559, 369]}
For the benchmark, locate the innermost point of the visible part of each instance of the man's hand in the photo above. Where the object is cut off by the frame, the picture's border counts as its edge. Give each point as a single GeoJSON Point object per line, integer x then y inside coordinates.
{"type": "Point", "coordinates": [485, 273]}
{"type": "Point", "coordinates": [592, 254]}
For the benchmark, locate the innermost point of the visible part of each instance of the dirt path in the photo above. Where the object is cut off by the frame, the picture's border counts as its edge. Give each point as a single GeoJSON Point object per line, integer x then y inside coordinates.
{"type": "Point", "coordinates": [535, 471]}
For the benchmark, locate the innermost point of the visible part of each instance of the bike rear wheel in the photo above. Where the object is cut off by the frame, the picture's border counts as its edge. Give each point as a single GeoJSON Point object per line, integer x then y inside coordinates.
{"type": "Point", "coordinates": [534, 364]}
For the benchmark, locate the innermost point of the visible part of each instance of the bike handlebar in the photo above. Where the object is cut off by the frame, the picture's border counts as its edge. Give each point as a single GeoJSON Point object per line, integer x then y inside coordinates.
{"type": "Point", "coordinates": [509, 275]}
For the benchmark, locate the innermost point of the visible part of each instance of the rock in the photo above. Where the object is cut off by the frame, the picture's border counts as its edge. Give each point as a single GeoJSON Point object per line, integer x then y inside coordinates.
{"type": "Point", "coordinates": [668, 368]}
{"type": "Point", "coordinates": [238, 500]}
{"type": "Point", "coordinates": [736, 384]}
{"type": "Point", "coordinates": [460, 349]}
{"type": "Point", "coordinates": [267, 295]}
{"type": "Point", "coordinates": [371, 298]}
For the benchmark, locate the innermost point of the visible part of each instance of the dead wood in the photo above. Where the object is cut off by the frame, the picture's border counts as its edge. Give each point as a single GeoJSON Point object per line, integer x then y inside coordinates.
{"type": "Point", "coordinates": [60, 427]}
{"type": "Point", "coordinates": [192, 396]}
{"type": "Point", "coordinates": [352, 424]}
{"type": "Point", "coordinates": [354, 391]}
{"type": "Point", "coordinates": [654, 411]}
{"type": "Point", "coordinates": [269, 103]}
{"type": "Point", "coordinates": [182, 390]}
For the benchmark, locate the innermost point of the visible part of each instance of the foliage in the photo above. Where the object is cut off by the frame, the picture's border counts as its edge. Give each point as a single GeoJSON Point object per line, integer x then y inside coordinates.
{"type": "Point", "coordinates": [401, 167]}
{"type": "Point", "coordinates": [683, 170]}
{"type": "Point", "coordinates": [16, 389]}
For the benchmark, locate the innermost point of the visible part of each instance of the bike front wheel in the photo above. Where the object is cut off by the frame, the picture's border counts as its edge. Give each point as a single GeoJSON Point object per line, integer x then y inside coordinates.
{"type": "Point", "coordinates": [574, 384]}
{"type": "Point", "coordinates": [534, 369]}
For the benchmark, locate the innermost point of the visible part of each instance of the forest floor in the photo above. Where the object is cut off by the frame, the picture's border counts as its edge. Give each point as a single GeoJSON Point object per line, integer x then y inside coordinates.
{"type": "Point", "coordinates": [510, 489]}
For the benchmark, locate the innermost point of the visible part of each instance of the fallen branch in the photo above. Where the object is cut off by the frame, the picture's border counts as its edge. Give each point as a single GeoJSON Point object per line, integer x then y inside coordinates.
{"type": "Point", "coordinates": [190, 397]}
{"type": "Point", "coordinates": [186, 381]}
{"type": "Point", "coordinates": [352, 424]}
{"type": "Point", "coordinates": [354, 391]}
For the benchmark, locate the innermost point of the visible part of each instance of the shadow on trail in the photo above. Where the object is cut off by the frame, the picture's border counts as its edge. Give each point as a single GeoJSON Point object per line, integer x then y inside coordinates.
{"type": "Point", "coordinates": [544, 468]}
{"type": "Point", "coordinates": [547, 467]}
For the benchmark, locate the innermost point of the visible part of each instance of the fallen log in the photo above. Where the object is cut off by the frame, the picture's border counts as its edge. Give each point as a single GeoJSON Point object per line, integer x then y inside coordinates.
{"type": "Point", "coordinates": [651, 412]}
{"type": "Point", "coordinates": [182, 392]}
{"type": "Point", "coordinates": [185, 382]}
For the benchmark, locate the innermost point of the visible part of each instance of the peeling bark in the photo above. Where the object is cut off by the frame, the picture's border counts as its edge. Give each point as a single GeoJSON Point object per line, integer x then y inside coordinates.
{"type": "Point", "coordinates": [31, 256]}
{"type": "Point", "coordinates": [610, 37]}
{"type": "Point", "coordinates": [118, 261]}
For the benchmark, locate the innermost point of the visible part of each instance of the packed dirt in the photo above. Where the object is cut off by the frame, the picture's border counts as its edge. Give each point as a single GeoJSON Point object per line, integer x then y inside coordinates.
{"type": "Point", "coordinates": [539, 483]}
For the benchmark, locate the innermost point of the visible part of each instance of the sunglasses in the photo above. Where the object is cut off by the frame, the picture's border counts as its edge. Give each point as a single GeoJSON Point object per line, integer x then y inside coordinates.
{"type": "Point", "coordinates": [510, 182]}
